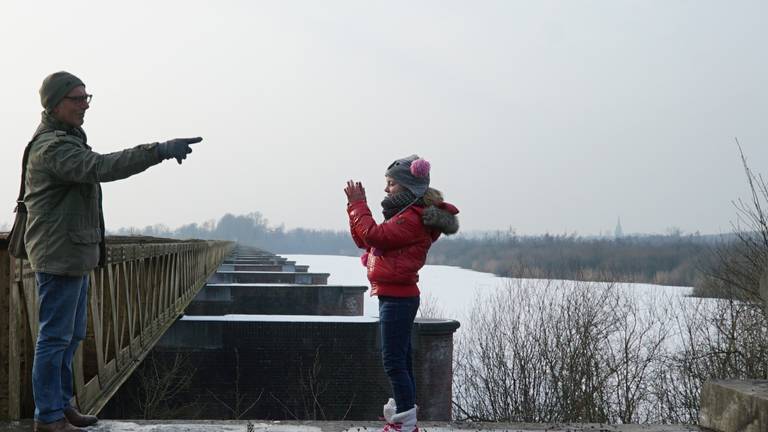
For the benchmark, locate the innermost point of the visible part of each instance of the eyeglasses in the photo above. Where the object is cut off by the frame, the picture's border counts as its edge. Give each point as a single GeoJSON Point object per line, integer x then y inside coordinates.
{"type": "Point", "coordinates": [80, 99]}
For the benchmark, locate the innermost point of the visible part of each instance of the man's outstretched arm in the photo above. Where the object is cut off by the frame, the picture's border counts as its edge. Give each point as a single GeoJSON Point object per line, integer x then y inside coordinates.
{"type": "Point", "coordinates": [70, 161]}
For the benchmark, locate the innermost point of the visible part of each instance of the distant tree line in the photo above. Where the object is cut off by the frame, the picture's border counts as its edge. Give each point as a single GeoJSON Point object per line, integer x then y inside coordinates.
{"type": "Point", "coordinates": [673, 259]}
{"type": "Point", "coordinates": [660, 259]}
{"type": "Point", "coordinates": [253, 229]}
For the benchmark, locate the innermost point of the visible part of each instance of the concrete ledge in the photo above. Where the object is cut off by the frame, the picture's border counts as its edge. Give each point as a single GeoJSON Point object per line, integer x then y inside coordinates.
{"type": "Point", "coordinates": [304, 278]}
{"type": "Point", "coordinates": [342, 426]}
{"type": "Point", "coordinates": [734, 406]}
{"type": "Point", "coordinates": [278, 299]}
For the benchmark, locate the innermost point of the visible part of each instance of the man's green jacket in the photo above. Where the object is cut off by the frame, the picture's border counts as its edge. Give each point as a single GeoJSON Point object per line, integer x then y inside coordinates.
{"type": "Point", "coordinates": [65, 222]}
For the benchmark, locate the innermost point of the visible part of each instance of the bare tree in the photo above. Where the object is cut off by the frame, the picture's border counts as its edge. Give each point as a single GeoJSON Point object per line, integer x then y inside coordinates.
{"type": "Point", "coordinates": [564, 351]}
{"type": "Point", "coordinates": [313, 387]}
{"type": "Point", "coordinates": [635, 356]}
{"type": "Point", "coordinates": [157, 385]}
{"type": "Point", "coordinates": [429, 307]}
{"type": "Point", "coordinates": [237, 398]}
{"type": "Point", "coordinates": [313, 401]}
{"type": "Point", "coordinates": [718, 339]}
{"type": "Point", "coordinates": [741, 263]}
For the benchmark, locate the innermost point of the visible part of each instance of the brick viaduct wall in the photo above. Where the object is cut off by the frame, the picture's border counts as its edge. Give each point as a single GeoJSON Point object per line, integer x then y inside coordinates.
{"type": "Point", "coordinates": [222, 299]}
{"type": "Point", "coordinates": [302, 369]}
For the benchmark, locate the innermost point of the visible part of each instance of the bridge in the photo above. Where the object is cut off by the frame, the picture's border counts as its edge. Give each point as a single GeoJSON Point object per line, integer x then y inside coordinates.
{"type": "Point", "coordinates": [143, 288]}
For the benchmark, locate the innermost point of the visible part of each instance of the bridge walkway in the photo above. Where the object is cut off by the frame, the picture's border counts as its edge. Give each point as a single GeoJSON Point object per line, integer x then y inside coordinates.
{"type": "Point", "coordinates": [143, 288]}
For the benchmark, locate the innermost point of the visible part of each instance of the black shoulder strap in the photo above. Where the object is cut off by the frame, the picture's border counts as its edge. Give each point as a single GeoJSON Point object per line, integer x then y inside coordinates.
{"type": "Point", "coordinates": [22, 189]}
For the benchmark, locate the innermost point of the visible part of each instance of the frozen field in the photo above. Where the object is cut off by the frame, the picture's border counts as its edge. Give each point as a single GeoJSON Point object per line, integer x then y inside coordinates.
{"type": "Point", "coordinates": [453, 290]}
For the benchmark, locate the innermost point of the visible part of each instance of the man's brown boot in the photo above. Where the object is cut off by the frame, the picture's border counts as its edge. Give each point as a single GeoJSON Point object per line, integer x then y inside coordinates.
{"type": "Point", "coordinates": [79, 420]}
{"type": "Point", "coordinates": [57, 426]}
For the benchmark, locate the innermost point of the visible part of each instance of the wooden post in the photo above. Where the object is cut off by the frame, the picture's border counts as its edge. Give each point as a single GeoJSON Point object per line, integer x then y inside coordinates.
{"type": "Point", "coordinates": [15, 347]}
{"type": "Point", "coordinates": [5, 313]}
{"type": "Point", "coordinates": [19, 343]}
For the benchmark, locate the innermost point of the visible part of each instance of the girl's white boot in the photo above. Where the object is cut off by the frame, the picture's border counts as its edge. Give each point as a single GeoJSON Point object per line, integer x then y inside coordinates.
{"type": "Point", "coordinates": [405, 421]}
{"type": "Point", "coordinates": [389, 410]}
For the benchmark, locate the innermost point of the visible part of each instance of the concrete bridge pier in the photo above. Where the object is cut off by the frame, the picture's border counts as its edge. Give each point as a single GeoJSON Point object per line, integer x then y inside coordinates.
{"type": "Point", "coordinates": [737, 405]}
{"type": "Point", "coordinates": [734, 406]}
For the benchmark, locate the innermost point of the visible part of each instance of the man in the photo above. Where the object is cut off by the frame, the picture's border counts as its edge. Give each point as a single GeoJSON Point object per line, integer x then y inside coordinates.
{"type": "Point", "coordinates": [65, 235]}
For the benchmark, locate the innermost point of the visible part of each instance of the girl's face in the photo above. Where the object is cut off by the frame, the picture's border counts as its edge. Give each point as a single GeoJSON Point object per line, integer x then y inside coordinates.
{"type": "Point", "coordinates": [392, 187]}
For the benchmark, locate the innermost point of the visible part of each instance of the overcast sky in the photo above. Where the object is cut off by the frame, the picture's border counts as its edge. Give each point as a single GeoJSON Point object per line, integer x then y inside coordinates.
{"type": "Point", "coordinates": [542, 116]}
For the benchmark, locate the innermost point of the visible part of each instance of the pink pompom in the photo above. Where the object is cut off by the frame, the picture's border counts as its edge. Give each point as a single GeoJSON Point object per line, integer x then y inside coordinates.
{"type": "Point", "coordinates": [420, 168]}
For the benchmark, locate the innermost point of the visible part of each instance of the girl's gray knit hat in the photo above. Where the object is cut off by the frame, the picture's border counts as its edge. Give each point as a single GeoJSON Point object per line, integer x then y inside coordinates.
{"type": "Point", "coordinates": [411, 172]}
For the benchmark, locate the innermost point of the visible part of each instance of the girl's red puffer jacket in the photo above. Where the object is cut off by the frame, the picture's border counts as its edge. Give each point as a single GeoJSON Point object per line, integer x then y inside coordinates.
{"type": "Point", "coordinates": [397, 249]}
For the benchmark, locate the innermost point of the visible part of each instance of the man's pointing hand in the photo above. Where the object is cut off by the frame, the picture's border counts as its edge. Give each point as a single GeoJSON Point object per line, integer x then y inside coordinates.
{"type": "Point", "coordinates": [177, 148]}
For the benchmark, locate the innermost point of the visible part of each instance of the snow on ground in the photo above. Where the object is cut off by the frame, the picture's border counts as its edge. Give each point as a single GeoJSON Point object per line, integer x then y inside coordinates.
{"type": "Point", "coordinates": [181, 426]}
{"type": "Point", "coordinates": [453, 289]}
{"type": "Point", "coordinates": [280, 318]}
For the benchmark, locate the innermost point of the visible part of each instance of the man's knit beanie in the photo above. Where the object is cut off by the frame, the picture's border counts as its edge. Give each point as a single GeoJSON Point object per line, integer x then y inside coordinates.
{"type": "Point", "coordinates": [412, 173]}
{"type": "Point", "coordinates": [55, 87]}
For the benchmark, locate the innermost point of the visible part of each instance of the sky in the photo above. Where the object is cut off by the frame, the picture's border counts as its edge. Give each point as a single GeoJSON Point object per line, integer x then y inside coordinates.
{"type": "Point", "coordinates": [537, 116]}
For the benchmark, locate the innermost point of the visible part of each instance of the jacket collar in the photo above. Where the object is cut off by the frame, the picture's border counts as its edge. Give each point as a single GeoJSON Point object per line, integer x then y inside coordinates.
{"type": "Point", "coordinates": [50, 123]}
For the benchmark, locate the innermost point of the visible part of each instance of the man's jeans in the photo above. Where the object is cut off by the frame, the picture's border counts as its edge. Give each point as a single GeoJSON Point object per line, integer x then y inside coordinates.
{"type": "Point", "coordinates": [396, 315]}
{"type": "Point", "coordinates": [63, 318]}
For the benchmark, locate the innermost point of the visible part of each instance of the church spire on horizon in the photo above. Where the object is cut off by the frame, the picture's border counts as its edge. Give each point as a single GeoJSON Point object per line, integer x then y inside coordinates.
{"type": "Point", "coordinates": [618, 232]}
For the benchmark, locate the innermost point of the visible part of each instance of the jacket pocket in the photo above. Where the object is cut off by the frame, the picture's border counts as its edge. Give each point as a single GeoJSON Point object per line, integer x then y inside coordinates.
{"type": "Point", "coordinates": [86, 236]}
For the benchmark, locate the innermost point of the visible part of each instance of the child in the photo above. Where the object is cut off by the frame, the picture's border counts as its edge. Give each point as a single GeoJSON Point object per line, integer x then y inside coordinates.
{"type": "Point", "coordinates": [415, 216]}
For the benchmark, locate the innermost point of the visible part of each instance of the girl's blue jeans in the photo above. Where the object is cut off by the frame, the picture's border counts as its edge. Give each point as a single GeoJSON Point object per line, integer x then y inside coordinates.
{"type": "Point", "coordinates": [396, 315]}
{"type": "Point", "coordinates": [63, 304]}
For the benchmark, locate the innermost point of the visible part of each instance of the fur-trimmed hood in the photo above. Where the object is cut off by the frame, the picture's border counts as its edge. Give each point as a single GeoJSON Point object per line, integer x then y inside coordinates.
{"type": "Point", "coordinates": [441, 217]}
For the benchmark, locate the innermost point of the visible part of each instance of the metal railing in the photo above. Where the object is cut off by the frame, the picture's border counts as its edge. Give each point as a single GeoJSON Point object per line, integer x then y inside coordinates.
{"type": "Point", "coordinates": [133, 300]}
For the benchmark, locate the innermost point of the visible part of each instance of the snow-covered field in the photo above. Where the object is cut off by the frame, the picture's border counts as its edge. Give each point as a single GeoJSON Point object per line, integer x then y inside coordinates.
{"type": "Point", "coordinates": [453, 290]}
